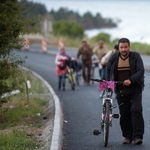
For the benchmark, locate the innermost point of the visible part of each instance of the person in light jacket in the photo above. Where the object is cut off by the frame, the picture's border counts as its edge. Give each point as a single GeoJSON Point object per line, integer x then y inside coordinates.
{"type": "Point", "coordinates": [61, 68]}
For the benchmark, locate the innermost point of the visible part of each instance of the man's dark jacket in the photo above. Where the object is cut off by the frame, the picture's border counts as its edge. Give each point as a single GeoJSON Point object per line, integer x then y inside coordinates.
{"type": "Point", "coordinates": [136, 66]}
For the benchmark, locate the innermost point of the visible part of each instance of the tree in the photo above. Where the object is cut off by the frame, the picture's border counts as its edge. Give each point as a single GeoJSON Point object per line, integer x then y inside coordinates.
{"type": "Point", "coordinates": [68, 28]}
{"type": "Point", "coordinates": [12, 25]}
{"type": "Point", "coordinates": [102, 36]}
{"type": "Point", "coordinates": [33, 9]}
{"type": "Point", "coordinates": [87, 20]}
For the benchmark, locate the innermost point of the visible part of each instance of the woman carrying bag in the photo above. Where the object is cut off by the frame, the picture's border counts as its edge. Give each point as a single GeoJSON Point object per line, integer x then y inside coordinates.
{"type": "Point", "coordinates": [61, 69]}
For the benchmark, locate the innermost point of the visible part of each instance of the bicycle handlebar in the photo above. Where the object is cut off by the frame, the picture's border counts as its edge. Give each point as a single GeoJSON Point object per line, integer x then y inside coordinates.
{"type": "Point", "coordinates": [119, 82]}
{"type": "Point", "coordinates": [98, 80]}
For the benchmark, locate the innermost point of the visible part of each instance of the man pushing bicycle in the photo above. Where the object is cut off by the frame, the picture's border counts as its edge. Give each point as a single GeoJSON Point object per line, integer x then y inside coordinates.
{"type": "Point", "coordinates": [127, 66]}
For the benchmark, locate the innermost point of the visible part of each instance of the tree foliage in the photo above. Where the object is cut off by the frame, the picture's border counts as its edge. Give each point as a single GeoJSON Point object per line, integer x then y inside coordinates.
{"type": "Point", "coordinates": [12, 25]}
{"type": "Point", "coordinates": [87, 20]}
{"type": "Point", "coordinates": [33, 9]}
{"type": "Point", "coordinates": [68, 28]}
{"type": "Point", "coordinates": [102, 36]}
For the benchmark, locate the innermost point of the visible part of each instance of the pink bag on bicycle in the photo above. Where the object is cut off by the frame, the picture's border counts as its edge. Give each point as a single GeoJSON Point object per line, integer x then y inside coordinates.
{"type": "Point", "coordinates": [107, 84]}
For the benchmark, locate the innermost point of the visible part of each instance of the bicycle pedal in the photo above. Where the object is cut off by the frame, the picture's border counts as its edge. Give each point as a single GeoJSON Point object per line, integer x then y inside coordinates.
{"type": "Point", "coordinates": [96, 132]}
{"type": "Point", "coordinates": [115, 115]}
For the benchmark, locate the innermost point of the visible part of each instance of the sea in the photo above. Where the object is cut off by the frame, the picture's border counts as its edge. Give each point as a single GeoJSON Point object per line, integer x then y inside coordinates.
{"type": "Point", "coordinates": [134, 16]}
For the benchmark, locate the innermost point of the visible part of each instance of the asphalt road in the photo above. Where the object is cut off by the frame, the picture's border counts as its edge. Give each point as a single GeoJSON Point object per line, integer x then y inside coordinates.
{"type": "Point", "coordinates": [73, 52]}
{"type": "Point", "coordinates": [82, 109]}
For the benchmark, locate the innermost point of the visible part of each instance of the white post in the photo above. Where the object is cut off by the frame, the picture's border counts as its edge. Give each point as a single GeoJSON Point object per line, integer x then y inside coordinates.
{"type": "Point", "coordinates": [28, 86]}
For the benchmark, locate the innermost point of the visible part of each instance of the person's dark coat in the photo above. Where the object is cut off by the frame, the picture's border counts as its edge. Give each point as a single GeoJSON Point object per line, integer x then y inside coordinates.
{"type": "Point", "coordinates": [136, 66]}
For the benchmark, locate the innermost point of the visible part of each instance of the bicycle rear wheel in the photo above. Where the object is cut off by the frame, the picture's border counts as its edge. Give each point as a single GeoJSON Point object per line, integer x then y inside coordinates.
{"type": "Point", "coordinates": [106, 124]}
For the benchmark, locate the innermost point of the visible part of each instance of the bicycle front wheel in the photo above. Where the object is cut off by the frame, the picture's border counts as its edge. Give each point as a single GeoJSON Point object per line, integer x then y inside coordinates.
{"type": "Point", "coordinates": [77, 78]}
{"type": "Point", "coordinates": [106, 124]}
{"type": "Point", "coordinates": [72, 80]}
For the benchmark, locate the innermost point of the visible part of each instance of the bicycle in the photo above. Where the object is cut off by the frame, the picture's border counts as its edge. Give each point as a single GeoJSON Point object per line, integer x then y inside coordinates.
{"type": "Point", "coordinates": [107, 106]}
{"type": "Point", "coordinates": [71, 72]}
{"type": "Point", "coordinates": [74, 72]}
{"type": "Point", "coordinates": [71, 76]}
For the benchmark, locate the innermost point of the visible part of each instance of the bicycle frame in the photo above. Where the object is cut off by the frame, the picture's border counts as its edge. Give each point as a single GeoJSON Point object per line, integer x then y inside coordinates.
{"type": "Point", "coordinates": [70, 71]}
{"type": "Point", "coordinates": [71, 77]}
{"type": "Point", "coordinates": [108, 100]}
{"type": "Point", "coordinates": [107, 106]}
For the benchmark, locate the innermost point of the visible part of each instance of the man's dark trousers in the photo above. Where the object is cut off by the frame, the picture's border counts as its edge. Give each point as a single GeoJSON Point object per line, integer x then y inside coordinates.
{"type": "Point", "coordinates": [131, 121]}
{"type": "Point", "coordinates": [88, 65]}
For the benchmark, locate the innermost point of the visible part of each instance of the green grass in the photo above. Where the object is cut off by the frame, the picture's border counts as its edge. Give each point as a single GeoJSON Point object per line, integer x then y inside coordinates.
{"type": "Point", "coordinates": [24, 115]}
{"type": "Point", "coordinates": [17, 140]}
{"type": "Point", "coordinates": [37, 86]}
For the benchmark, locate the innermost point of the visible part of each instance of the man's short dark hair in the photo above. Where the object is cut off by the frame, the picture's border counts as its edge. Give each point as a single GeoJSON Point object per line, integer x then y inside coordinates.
{"type": "Point", "coordinates": [124, 40]}
{"type": "Point", "coordinates": [116, 47]}
{"type": "Point", "coordinates": [84, 41]}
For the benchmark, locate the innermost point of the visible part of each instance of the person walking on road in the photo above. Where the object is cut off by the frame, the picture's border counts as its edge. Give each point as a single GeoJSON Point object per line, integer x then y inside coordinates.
{"type": "Point", "coordinates": [127, 66]}
{"type": "Point", "coordinates": [105, 58]}
{"type": "Point", "coordinates": [61, 68]}
{"type": "Point", "coordinates": [86, 52]}
{"type": "Point", "coordinates": [100, 51]}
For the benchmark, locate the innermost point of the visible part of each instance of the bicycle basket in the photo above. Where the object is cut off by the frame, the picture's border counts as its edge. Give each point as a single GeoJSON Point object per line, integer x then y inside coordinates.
{"type": "Point", "coordinates": [107, 84]}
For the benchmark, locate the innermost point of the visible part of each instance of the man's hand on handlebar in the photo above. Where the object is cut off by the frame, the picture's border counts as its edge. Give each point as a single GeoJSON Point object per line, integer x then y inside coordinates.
{"type": "Point", "coordinates": [127, 82]}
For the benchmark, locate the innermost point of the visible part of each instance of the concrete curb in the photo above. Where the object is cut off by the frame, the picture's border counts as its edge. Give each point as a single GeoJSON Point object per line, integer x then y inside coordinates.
{"type": "Point", "coordinates": [56, 143]}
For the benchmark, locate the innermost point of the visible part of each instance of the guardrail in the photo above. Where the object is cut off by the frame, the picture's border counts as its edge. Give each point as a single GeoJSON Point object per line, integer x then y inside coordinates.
{"type": "Point", "coordinates": [11, 93]}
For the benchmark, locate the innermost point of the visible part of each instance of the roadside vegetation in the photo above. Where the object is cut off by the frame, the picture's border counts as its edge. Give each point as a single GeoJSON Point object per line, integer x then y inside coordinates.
{"type": "Point", "coordinates": [20, 116]}
{"type": "Point", "coordinates": [22, 121]}
{"type": "Point", "coordinates": [75, 43]}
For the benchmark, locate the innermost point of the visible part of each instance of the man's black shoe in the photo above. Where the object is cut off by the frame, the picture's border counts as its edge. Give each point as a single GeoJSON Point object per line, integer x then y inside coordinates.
{"type": "Point", "coordinates": [127, 141]}
{"type": "Point", "coordinates": [138, 142]}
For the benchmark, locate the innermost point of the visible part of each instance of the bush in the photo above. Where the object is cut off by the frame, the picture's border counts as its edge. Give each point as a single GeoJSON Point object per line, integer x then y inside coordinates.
{"type": "Point", "coordinates": [68, 28]}
{"type": "Point", "coordinates": [12, 25]}
{"type": "Point", "coordinates": [141, 48]}
{"type": "Point", "coordinates": [102, 36]}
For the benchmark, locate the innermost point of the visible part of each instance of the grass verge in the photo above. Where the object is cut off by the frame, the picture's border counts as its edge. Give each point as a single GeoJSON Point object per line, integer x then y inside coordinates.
{"type": "Point", "coordinates": [22, 121]}
{"type": "Point", "coordinates": [17, 140]}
